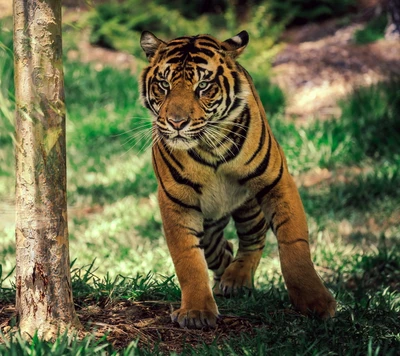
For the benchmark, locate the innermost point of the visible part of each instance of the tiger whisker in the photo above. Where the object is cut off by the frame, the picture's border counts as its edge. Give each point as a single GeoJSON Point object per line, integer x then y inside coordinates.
{"type": "Point", "coordinates": [223, 136]}
{"type": "Point", "coordinates": [214, 134]}
{"type": "Point", "coordinates": [146, 146]}
{"type": "Point", "coordinates": [138, 136]}
{"type": "Point", "coordinates": [210, 138]}
{"type": "Point", "coordinates": [227, 130]}
{"type": "Point", "coordinates": [145, 137]}
{"type": "Point", "coordinates": [227, 123]}
{"type": "Point", "coordinates": [145, 124]}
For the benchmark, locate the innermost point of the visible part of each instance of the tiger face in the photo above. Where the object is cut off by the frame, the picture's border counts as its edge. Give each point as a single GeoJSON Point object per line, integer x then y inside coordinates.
{"type": "Point", "coordinates": [192, 86]}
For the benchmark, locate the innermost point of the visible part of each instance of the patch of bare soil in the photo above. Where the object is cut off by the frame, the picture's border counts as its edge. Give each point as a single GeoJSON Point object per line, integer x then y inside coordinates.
{"type": "Point", "coordinates": [149, 322]}
{"type": "Point", "coordinates": [320, 64]}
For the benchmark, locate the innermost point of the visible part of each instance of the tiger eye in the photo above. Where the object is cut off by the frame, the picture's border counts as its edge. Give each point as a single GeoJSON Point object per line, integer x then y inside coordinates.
{"type": "Point", "coordinates": [202, 85]}
{"type": "Point", "coordinates": [164, 84]}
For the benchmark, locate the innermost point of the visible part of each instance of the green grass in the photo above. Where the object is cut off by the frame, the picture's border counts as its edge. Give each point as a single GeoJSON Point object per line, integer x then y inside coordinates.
{"type": "Point", "coordinates": [114, 220]}
{"type": "Point", "coordinates": [374, 30]}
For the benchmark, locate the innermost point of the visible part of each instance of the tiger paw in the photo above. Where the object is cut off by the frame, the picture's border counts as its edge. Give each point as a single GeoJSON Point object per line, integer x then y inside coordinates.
{"type": "Point", "coordinates": [318, 302]}
{"type": "Point", "coordinates": [195, 319]}
{"type": "Point", "coordinates": [237, 278]}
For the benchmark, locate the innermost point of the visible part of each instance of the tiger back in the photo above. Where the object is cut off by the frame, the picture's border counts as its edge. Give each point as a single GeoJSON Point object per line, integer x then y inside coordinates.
{"type": "Point", "coordinates": [216, 158]}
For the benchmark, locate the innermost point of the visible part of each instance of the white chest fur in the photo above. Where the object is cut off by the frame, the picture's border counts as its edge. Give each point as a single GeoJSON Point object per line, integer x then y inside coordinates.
{"type": "Point", "coordinates": [222, 196]}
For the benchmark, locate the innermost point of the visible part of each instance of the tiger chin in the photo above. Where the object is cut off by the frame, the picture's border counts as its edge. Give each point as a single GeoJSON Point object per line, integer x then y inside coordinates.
{"type": "Point", "coordinates": [216, 159]}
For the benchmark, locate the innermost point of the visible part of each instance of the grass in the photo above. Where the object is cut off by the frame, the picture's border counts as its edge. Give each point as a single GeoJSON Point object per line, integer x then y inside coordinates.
{"type": "Point", "coordinates": [374, 30]}
{"type": "Point", "coordinates": [116, 234]}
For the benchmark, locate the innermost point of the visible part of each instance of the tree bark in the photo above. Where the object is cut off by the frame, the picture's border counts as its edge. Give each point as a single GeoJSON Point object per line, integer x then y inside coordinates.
{"type": "Point", "coordinates": [44, 301]}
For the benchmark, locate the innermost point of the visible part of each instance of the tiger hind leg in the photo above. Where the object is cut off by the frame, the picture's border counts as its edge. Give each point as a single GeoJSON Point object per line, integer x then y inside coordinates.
{"type": "Point", "coordinates": [251, 228]}
{"type": "Point", "coordinates": [288, 222]}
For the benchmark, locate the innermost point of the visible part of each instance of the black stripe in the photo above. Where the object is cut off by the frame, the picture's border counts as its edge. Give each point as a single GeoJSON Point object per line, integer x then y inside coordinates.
{"type": "Point", "coordinates": [171, 197]}
{"type": "Point", "coordinates": [228, 99]}
{"type": "Point", "coordinates": [208, 43]}
{"type": "Point", "coordinates": [207, 52]}
{"type": "Point", "coordinates": [236, 103]}
{"type": "Point", "coordinates": [194, 154]}
{"type": "Point", "coordinates": [260, 145]}
{"type": "Point", "coordinates": [211, 248]}
{"type": "Point", "coordinates": [262, 167]}
{"type": "Point", "coordinates": [179, 41]}
{"type": "Point", "coordinates": [260, 226]}
{"type": "Point", "coordinates": [236, 90]}
{"type": "Point", "coordinates": [292, 242]}
{"type": "Point", "coordinates": [264, 191]}
{"type": "Point", "coordinates": [252, 243]}
{"type": "Point", "coordinates": [216, 262]}
{"type": "Point", "coordinates": [179, 50]}
{"type": "Point", "coordinates": [170, 155]}
{"type": "Point", "coordinates": [212, 223]}
{"type": "Point", "coordinates": [177, 177]}
{"type": "Point", "coordinates": [174, 60]}
{"type": "Point", "coordinates": [240, 137]}
{"type": "Point", "coordinates": [198, 234]}
{"type": "Point", "coordinates": [277, 227]}
{"type": "Point", "coordinates": [231, 136]}
{"type": "Point", "coordinates": [199, 60]}
{"type": "Point", "coordinates": [145, 90]}
{"type": "Point", "coordinates": [245, 218]}
{"type": "Point", "coordinates": [236, 85]}
{"type": "Point", "coordinates": [144, 81]}
{"type": "Point", "coordinates": [232, 151]}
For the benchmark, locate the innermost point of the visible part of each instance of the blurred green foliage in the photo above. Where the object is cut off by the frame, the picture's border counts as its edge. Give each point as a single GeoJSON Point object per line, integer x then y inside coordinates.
{"type": "Point", "coordinates": [302, 11]}
{"type": "Point", "coordinates": [6, 102]}
{"type": "Point", "coordinates": [372, 31]}
{"type": "Point", "coordinates": [116, 24]}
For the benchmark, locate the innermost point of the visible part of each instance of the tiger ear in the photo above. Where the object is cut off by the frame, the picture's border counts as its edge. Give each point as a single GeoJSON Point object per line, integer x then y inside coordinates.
{"type": "Point", "coordinates": [234, 46]}
{"type": "Point", "coordinates": [150, 43]}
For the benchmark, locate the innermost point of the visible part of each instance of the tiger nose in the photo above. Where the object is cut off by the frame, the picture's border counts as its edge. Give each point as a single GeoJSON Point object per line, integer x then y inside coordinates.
{"type": "Point", "coordinates": [178, 123]}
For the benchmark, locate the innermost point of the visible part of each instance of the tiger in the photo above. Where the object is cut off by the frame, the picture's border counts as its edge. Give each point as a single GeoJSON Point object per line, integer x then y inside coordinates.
{"type": "Point", "coordinates": [215, 159]}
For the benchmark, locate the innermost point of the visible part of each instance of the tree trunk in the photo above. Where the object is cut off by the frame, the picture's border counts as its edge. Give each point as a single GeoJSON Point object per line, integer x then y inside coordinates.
{"type": "Point", "coordinates": [43, 281]}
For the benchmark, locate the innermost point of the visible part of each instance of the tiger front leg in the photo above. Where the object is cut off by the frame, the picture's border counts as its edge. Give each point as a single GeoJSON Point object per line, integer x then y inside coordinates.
{"type": "Point", "coordinates": [183, 230]}
{"type": "Point", "coordinates": [251, 228]}
{"type": "Point", "coordinates": [281, 202]}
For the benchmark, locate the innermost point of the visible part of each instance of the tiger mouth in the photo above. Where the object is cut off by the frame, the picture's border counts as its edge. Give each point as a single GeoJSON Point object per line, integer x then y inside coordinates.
{"type": "Point", "coordinates": [180, 142]}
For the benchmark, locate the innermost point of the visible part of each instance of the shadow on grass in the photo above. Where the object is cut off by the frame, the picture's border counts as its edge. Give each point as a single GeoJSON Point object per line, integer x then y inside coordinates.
{"type": "Point", "coordinates": [109, 193]}
{"type": "Point", "coordinates": [371, 117]}
{"type": "Point", "coordinates": [363, 193]}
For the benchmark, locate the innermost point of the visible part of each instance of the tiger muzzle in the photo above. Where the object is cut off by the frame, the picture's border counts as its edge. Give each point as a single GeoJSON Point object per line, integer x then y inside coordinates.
{"type": "Point", "coordinates": [178, 122]}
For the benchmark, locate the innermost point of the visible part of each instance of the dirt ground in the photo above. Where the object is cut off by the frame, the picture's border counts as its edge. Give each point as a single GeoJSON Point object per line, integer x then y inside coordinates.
{"type": "Point", "coordinates": [149, 322]}
{"type": "Point", "coordinates": [320, 64]}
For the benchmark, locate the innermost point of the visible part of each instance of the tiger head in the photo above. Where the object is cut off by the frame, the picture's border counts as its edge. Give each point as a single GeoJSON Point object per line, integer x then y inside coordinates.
{"type": "Point", "coordinates": [193, 85]}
